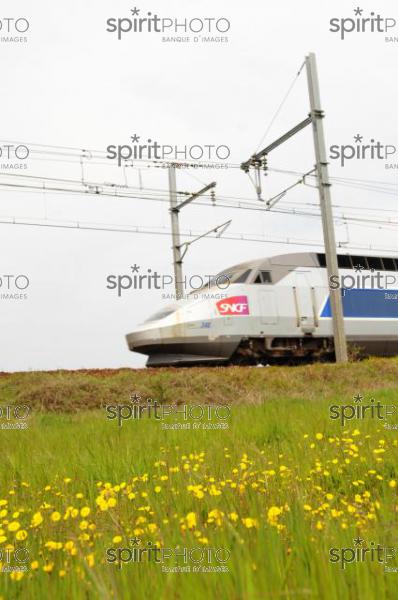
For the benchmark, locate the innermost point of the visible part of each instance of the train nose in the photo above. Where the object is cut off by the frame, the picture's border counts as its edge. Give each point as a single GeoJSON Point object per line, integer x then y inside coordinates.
{"type": "Point", "coordinates": [142, 341]}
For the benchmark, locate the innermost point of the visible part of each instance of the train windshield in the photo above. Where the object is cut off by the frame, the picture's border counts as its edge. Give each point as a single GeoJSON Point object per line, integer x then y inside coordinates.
{"type": "Point", "coordinates": [225, 278]}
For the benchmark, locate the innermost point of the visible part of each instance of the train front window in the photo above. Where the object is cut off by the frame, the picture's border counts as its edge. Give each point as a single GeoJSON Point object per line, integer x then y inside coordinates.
{"type": "Point", "coordinates": [243, 277]}
{"type": "Point", "coordinates": [227, 277]}
{"type": "Point", "coordinates": [224, 279]}
{"type": "Point", "coordinates": [263, 277]}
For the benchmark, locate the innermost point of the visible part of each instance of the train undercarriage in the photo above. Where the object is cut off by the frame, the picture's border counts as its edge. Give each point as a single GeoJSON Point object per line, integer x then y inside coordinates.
{"type": "Point", "coordinates": [257, 351]}
{"type": "Point", "coordinates": [252, 352]}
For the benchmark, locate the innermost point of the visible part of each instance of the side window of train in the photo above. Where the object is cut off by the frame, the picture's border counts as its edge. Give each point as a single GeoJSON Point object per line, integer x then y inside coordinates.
{"type": "Point", "coordinates": [366, 262]}
{"type": "Point", "coordinates": [244, 277]}
{"type": "Point", "coordinates": [389, 264]}
{"type": "Point", "coordinates": [344, 262]}
{"type": "Point", "coordinates": [375, 263]}
{"type": "Point", "coordinates": [263, 277]}
{"type": "Point", "coordinates": [359, 262]}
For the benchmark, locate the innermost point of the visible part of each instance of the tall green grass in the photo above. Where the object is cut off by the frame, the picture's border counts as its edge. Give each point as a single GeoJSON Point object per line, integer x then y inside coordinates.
{"type": "Point", "coordinates": [265, 562]}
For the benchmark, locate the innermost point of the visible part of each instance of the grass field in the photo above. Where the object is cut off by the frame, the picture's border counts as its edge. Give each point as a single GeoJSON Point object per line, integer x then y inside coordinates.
{"type": "Point", "coordinates": [266, 507]}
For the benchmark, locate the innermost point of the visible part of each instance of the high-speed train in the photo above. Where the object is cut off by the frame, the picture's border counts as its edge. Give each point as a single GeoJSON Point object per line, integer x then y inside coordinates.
{"type": "Point", "coordinates": [276, 310]}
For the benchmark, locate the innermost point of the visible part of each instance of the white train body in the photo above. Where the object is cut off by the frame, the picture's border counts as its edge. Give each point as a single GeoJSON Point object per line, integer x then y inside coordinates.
{"type": "Point", "coordinates": [274, 310]}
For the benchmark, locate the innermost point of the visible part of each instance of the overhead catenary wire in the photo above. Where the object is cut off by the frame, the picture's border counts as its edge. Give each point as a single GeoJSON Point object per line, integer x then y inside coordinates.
{"type": "Point", "coordinates": [159, 163]}
{"type": "Point", "coordinates": [345, 218]}
{"type": "Point", "coordinates": [111, 189]}
{"type": "Point", "coordinates": [360, 184]}
{"type": "Point", "coordinates": [163, 192]}
{"type": "Point", "coordinates": [280, 106]}
{"type": "Point", "coordinates": [235, 237]}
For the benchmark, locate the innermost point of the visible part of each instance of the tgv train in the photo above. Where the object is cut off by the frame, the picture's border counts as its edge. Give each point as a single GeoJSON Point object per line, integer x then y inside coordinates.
{"type": "Point", "coordinates": [276, 310]}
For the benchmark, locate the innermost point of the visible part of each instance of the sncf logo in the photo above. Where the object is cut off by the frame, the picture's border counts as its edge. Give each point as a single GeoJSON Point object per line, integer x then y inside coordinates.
{"type": "Point", "coordinates": [237, 305]}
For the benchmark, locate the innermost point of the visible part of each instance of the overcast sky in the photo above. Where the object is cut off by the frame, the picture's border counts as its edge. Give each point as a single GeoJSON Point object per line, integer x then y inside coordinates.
{"type": "Point", "coordinates": [73, 84]}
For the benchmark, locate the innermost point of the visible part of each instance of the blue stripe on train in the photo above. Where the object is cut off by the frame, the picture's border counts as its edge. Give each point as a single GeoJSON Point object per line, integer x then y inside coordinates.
{"type": "Point", "coordinates": [372, 304]}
